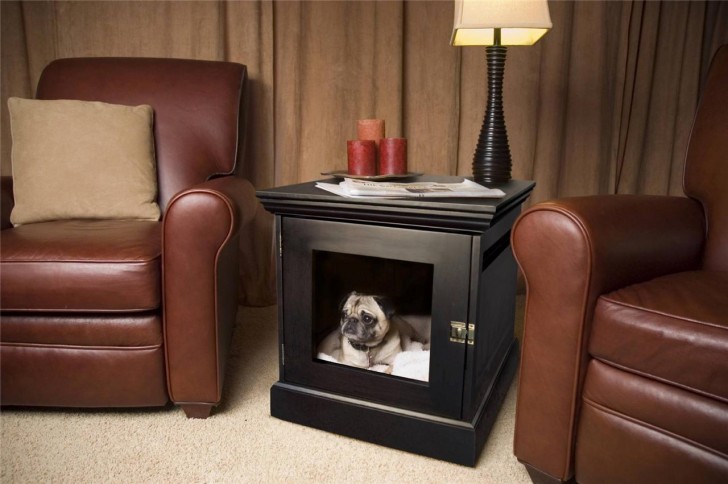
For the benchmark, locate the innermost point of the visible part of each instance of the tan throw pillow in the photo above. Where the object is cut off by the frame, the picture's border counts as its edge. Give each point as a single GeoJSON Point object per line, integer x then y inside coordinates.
{"type": "Point", "coordinates": [81, 160]}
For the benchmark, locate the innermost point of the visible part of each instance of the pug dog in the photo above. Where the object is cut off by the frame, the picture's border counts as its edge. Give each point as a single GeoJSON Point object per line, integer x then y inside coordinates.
{"type": "Point", "coordinates": [369, 333]}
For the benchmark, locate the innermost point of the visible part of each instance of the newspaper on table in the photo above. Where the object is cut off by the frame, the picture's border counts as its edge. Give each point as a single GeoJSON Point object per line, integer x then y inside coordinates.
{"type": "Point", "coordinates": [354, 188]}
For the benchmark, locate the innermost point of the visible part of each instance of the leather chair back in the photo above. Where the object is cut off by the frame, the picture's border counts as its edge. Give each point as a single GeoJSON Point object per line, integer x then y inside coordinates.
{"type": "Point", "coordinates": [706, 166]}
{"type": "Point", "coordinates": [195, 122]}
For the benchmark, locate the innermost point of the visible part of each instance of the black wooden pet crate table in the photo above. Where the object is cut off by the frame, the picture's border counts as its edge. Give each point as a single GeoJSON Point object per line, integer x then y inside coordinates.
{"type": "Point", "coordinates": [448, 262]}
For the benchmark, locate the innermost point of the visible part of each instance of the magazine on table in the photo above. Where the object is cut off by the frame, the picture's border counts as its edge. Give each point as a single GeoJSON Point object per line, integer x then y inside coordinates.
{"type": "Point", "coordinates": [352, 188]}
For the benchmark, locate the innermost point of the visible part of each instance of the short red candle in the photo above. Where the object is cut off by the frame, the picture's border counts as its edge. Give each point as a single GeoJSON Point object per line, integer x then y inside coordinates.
{"type": "Point", "coordinates": [362, 157]}
{"type": "Point", "coordinates": [393, 156]}
{"type": "Point", "coordinates": [372, 129]}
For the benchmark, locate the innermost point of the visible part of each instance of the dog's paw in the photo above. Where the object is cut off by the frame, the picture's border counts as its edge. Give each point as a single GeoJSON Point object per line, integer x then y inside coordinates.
{"type": "Point", "coordinates": [379, 368]}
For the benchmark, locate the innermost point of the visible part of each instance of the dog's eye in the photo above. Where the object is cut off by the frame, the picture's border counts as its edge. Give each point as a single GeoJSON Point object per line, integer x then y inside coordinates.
{"type": "Point", "coordinates": [367, 319]}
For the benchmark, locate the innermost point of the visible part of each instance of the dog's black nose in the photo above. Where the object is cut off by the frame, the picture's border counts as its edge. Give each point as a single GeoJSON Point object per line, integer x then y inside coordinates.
{"type": "Point", "coordinates": [349, 325]}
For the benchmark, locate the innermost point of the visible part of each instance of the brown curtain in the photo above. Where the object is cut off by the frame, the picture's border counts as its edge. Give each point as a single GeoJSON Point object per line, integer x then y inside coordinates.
{"type": "Point", "coordinates": [602, 104]}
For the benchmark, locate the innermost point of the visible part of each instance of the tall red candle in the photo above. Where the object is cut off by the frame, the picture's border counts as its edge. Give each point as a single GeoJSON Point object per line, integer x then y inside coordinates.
{"type": "Point", "coordinates": [362, 156]}
{"type": "Point", "coordinates": [393, 156]}
{"type": "Point", "coordinates": [372, 129]}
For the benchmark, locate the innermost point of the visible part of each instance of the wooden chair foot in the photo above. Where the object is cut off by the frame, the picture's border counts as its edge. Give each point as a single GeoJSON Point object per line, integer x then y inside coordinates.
{"type": "Point", "coordinates": [196, 410]}
{"type": "Point", "coordinates": [539, 477]}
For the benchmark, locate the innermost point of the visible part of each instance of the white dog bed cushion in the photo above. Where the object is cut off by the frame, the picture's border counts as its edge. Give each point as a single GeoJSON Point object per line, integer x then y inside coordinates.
{"type": "Point", "coordinates": [414, 363]}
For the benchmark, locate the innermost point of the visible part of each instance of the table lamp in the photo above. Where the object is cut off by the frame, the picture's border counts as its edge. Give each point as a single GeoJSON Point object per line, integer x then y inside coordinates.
{"type": "Point", "coordinates": [497, 24]}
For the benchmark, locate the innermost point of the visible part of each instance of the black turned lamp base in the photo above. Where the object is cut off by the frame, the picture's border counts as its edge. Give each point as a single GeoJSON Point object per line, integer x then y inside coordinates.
{"type": "Point", "coordinates": [492, 158]}
{"type": "Point", "coordinates": [447, 439]}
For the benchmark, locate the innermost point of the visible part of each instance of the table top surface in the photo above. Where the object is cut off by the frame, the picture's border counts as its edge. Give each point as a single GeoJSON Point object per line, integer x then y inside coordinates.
{"type": "Point", "coordinates": [276, 199]}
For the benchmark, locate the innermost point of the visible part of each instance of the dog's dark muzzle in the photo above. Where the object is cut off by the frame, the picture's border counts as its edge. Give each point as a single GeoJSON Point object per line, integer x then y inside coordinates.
{"type": "Point", "coordinates": [350, 326]}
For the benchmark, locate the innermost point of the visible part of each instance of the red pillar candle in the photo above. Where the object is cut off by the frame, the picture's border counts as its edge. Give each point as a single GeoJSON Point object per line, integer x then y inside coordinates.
{"type": "Point", "coordinates": [372, 129]}
{"type": "Point", "coordinates": [362, 157]}
{"type": "Point", "coordinates": [393, 156]}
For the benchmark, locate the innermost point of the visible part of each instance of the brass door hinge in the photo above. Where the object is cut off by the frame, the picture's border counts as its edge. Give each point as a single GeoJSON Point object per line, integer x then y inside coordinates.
{"type": "Point", "coordinates": [462, 333]}
{"type": "Point", "coordinates": [280, 246]}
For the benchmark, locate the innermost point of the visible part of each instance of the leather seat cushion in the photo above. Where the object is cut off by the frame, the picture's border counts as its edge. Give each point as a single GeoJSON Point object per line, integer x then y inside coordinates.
{"type": "Point", "coordinates": [81, 266]}
{"type": "Point", "coordinates": [655, 432]}
{"type": "Point", "coordinates": [120, 330]}
{"type": "Point", "coordinates": [673, 329]}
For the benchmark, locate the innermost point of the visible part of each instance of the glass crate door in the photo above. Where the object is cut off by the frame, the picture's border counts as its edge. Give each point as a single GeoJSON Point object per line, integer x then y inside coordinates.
{"type": "Point", "coordinates": [367, 312]}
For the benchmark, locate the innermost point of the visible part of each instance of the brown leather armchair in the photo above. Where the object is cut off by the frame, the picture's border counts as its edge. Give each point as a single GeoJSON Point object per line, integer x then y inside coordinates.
{"type": "Point", "coordinates": [124, 313]}
{"type": "Point", "coordinates": [624, 369]}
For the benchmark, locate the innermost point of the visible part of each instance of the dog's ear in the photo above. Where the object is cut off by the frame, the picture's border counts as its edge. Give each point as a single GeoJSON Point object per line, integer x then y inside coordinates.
{"type": "Point", "coordinates": [345, 298]}
{"type": "Point", "coordinates": [386, 305]}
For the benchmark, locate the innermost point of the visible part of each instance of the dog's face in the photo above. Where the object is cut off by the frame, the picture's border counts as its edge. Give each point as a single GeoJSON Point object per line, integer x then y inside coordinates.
{"type": "Point", "coordinates": [365, 319]}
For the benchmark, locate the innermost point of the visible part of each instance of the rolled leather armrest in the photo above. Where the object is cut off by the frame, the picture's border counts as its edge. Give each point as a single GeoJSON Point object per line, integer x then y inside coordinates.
{"type": "Point", "coordinates": [571, 251]}
{"type": "Point", "coordinates": [7, 201]}
{"type": "Point", "coordinates": [200, 278]}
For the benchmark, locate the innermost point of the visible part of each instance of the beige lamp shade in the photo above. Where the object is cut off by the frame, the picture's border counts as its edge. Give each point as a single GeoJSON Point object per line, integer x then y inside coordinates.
{"type": "Point", "coordinates": [521, 22]}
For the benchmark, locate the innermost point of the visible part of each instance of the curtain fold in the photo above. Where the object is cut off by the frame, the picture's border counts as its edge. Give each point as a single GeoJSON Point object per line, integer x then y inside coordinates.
{"type": "Point", "coordinates": [335, 62]}
{"type": "Point", "coordinates": [663, 96]}
{"type": "Point", "coordinates": [602, 104]}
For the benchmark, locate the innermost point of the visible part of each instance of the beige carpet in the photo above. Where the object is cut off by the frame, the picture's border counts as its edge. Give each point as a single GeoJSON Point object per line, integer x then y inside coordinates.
{"type": "Point", "coordinates": [241, 442]}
